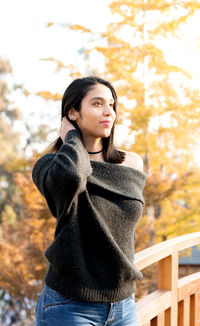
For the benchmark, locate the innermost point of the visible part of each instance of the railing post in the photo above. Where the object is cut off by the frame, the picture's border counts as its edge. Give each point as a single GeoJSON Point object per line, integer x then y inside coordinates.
{"type": "Point", "coordinates": [184, 312]}
{"type": "Point", "coordinates": [195, 309]}
{"type": "Point", "coordinates": [168, 280]}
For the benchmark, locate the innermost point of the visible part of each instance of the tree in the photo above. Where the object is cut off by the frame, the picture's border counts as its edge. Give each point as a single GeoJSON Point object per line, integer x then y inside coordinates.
{"type": "Point", "coordinates": [163, 115]}
{"type": "Point", "coordinates": [9, 139]}
{"type": "Point", "coordinates": [22, 244]}
{"type": "Point", "coordinates": [26, 226]}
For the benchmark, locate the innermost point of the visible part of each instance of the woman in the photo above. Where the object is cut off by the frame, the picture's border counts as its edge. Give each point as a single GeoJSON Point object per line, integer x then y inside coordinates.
{"type": "Point", "coordinates": [95, 193]}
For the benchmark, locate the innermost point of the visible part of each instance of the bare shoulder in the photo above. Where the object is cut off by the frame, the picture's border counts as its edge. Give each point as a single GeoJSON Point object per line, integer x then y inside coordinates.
{"type": "Point", "coordinates": [133, 160]}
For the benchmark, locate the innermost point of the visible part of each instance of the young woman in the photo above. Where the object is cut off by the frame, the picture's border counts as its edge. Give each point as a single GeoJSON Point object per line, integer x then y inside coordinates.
{"type": "Point", "coordinates": [95, 193]}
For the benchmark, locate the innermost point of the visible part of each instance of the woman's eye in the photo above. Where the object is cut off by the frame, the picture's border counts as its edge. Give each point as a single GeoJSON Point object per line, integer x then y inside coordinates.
{"type": "Point", "coordinates": [97, 103]}
{"type": "Point", "coordinates": [100, 104]}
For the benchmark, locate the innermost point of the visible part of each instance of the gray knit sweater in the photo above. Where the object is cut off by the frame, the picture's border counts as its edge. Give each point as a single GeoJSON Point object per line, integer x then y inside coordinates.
{"type": "Point", "coordinates": [96, 206]}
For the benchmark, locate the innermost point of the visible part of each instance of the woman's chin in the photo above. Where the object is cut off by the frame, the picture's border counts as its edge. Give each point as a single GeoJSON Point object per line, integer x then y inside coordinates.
{"type": "Point", "coordinates": [105, 134]}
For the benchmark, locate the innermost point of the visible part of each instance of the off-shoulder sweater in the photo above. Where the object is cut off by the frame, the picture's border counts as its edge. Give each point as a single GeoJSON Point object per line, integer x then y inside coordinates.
{"type": "Point", "coordinates": [96, 206]}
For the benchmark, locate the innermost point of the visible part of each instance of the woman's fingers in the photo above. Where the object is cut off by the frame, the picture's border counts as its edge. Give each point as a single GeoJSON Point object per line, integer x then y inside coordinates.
{"type": "Point", "coordinates": [66, 126]}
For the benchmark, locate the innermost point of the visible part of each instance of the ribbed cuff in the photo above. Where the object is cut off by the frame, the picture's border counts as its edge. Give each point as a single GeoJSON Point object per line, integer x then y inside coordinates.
{"type": "Point", "coordinates": [73, 133]}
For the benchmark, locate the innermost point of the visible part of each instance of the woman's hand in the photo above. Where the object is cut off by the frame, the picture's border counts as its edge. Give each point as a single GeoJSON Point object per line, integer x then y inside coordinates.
{"type": "Point", "coordinates": [65, 127]}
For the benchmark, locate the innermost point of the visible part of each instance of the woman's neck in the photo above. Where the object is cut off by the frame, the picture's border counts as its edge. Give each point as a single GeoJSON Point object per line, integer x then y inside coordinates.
{"type": "Point", "coordinates": [93, 144]}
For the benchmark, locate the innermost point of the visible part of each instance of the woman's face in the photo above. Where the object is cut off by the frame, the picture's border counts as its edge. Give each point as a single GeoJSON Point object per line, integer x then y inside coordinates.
{"type": "Point", "coordinates": [97, 106]}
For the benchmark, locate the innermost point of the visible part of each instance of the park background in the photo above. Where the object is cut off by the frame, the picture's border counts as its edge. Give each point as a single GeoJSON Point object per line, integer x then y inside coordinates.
{"type": "Point", "coordinates": [150, 51]}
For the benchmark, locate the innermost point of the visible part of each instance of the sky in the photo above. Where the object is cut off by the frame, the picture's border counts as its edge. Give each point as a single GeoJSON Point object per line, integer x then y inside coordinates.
{"type": "Point", "coordinates": [25, 41]}
{"type": "Point", "coordinates": [24, 38]}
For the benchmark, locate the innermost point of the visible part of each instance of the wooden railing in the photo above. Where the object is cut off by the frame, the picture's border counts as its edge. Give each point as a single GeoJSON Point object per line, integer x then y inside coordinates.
{"type": "Point", "coordinates": [176, 302]}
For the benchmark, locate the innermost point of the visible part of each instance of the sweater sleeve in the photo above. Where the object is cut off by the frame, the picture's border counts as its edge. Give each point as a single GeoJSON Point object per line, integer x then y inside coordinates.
{"type": "Point", "coordinates": [63, 176]}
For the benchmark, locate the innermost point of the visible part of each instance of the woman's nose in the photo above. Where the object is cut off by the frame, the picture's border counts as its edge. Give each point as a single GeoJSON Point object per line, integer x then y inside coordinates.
{"type": "Point", "coordinates": [108, 110]}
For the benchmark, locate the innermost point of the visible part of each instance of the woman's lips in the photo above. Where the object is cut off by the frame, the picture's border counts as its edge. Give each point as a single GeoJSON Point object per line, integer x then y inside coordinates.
{"type": "Point", "coordinates": [106, 123]}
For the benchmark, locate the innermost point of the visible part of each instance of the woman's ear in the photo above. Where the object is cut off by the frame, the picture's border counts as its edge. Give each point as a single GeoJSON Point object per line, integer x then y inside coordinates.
{"type": "Point", "coordinates": [73, 114]}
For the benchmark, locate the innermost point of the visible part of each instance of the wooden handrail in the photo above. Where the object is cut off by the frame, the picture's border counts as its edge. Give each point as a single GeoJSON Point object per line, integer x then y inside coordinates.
{"type": "Point", "coordinates": [175, 302]}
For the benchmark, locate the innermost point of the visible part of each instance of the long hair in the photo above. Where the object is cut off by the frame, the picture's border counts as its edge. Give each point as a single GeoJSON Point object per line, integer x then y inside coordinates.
{"type": "Point", "coordinates": [73, 97]}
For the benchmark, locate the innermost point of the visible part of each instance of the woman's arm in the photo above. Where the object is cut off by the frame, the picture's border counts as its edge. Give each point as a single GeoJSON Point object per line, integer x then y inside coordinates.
{"type": "Point", "coordinates": [61, 177]}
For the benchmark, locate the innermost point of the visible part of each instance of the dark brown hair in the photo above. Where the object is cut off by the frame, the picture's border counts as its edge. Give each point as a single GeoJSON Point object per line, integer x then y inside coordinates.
{"type": "Point", "coordinates": [73, 97]}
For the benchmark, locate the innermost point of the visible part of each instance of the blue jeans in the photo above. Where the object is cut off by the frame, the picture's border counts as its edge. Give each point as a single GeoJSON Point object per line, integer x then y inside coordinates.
{"type": "Point", "coordinates": [52, 309]}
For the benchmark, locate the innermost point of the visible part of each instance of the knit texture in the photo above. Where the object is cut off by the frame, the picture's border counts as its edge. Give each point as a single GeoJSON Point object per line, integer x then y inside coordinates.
{"type": "Point", "coordinates": [96, 206]}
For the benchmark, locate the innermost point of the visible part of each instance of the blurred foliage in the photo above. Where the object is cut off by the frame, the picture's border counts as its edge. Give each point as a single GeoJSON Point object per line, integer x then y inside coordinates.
{"type": "Point", "coordinates": [26, 226]}
{"type": "Point", "coordinates": [23, 241]}
{"type": "Point", "coordinates": [9, 140]}
{"type": "Point", "coordinates": [49, 96]}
